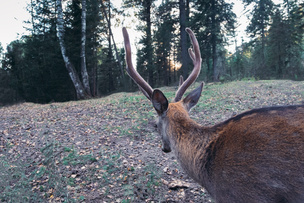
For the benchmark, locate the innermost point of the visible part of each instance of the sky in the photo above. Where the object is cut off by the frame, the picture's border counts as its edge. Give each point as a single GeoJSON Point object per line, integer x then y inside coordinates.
{"type": "Point", "coordinates": [13, 13]}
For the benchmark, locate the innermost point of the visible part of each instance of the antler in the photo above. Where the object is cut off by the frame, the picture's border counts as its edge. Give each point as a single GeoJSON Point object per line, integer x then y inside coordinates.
{"type": "Point", "coordinates": [196, 58]}
{"type": "Point", "coordinates": [142, 84]}
{"type": "Point", "coordinates": [145, 87]}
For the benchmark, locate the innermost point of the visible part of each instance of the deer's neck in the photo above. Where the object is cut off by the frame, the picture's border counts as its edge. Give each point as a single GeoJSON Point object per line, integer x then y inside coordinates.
{"type": "Point", "coordinates": [189, 141]}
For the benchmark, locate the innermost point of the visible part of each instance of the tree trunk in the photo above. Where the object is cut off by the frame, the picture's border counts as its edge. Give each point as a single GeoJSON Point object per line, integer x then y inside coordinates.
{"type": "Point", "coordinates": [94, 73]}
{"type": "Point", "coordinates": [213, 42]}
{"type": "Point", "coordinates": [187, 9]}
{"type": "Point", "coordinates": [84, 72]}
{"type": "Point", "coordinates": [115, 47]}
{"type": "Point", "coordinates": [262, 69]}
{"type": "Point", "coordinates": [80, 92]}
{"type": "Point", "coordinates": [149, 42]}
{"type": "Point", "coordinates": [184, 48]}
{"type": "Point", "coordinates": [110, 54]}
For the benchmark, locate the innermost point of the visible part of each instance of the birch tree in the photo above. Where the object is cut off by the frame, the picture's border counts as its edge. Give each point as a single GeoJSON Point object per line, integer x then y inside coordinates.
{"type": "Point", "coordinates": [84, 72]}
{"type": "Point", "coordinates": [79, 87]}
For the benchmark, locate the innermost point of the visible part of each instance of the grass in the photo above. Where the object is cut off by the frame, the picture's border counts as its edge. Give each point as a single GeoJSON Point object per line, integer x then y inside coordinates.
{"type": "Point", "coordinates": [48, 181]}
{"type": "Point", "coordinates": [104, 149]}
{"type": "Point", "coordinates": [15, 185]}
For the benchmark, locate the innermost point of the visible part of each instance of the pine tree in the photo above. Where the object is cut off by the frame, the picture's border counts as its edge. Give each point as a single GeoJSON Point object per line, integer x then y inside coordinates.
{"type": "Point", "coordinates": [184, 19]}
{"type": "Point", "coordinates": [165, 39]}
{"type": "Point", "coordinates": [144, 55]}
{"type": "Point", "coordinates": [211, 20]}
{"type": "Point", "coordinates": [258, 27]}
{"type": "Point", "coordinates": [285, 43]}
{"type": "Point", "coordinates": [277, 48]}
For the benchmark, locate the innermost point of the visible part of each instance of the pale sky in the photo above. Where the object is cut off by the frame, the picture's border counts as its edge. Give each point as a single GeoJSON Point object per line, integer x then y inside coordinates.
{"type": "Point", "coordinates": [12, 15]}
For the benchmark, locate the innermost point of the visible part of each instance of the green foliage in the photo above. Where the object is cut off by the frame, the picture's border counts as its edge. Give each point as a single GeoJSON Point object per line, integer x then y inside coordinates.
{"type": "Point", "coordinates": [210, 21]}
{"type": "Point", "coordinates": [164, 43]}
{"type": "Point", "coordinates": [32, 68]}
{"type": "Point", "coordinates": [145, 55]}
{"type": "Point", "coordinates": [35, 64]}
{"type": "Point", "coordinates": [44, 180]}
{"type": "Point", "coordinates": [13, 174]}
{"type": "Point", "coordinates": [278, 53]}
{"type": "Point", "coordinates": [37, 69]}
{"type": "Point", "coordinates": [262, 12]}
{"type": "Point", "coordinates": [8, 94]}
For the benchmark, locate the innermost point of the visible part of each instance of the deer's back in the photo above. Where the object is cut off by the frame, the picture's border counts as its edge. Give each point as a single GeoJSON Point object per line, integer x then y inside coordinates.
{"type": "Point", "coordinates": [258, 156]}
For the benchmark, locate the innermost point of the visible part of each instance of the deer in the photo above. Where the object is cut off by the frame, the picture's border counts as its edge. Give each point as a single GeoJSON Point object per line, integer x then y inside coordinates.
{"type": "Point", "coordinates": [254, 157]}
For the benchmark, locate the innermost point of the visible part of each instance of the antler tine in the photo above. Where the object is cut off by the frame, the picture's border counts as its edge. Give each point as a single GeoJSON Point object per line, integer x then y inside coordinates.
{"type": "Point", "coordinates": [142, 84]}
{"type": "Point", "coordinates": [196, 58]}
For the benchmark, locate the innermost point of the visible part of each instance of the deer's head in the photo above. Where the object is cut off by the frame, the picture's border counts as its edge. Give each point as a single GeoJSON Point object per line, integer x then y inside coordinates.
{"type": "Point", "coordinates": [169, 114]}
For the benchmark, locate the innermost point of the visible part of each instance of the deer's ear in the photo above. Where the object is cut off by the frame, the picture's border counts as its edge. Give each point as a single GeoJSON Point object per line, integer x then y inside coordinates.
{"type": "Point", "coordinates": [159, 102]}
{"type": "Point", "coordinates": [192, 98]}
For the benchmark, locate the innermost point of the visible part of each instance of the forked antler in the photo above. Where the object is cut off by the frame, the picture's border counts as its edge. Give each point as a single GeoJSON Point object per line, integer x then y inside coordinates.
{"type": "Point", "coordinates": [196, 58]}
{"type": "Point", "coordinates": [145, 87]}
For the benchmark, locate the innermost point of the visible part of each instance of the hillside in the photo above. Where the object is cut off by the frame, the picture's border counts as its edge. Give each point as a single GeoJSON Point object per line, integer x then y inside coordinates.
{"type": "Point", "coordinates": [108, 149]}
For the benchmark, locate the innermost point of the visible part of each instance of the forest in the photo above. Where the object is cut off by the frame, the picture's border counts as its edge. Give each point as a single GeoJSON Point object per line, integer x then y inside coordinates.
{"type": "Point", "coordinates": [72, 54]}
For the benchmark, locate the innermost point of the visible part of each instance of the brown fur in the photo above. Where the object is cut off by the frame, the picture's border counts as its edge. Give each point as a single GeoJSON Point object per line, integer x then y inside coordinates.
{"type": "Point", "coordinates": [257, 156]}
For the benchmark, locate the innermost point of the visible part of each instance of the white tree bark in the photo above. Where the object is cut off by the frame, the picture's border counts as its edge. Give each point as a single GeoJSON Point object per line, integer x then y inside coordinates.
{"type": "Point", "coordinates": [84, 72]}
{"type": "Point", "coordinates": [69, 66]}
{"type": "Point", "coordinates": [111, 34]}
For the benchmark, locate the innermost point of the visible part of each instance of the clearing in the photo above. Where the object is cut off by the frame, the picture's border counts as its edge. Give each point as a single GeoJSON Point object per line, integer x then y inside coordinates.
{"type": "Point", "coordinates": [108, 150]}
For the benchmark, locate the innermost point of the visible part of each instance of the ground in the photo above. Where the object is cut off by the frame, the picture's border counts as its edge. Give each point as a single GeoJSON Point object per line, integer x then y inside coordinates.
{"type": "Point", "coordinates": [108, 150]}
